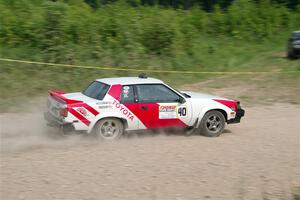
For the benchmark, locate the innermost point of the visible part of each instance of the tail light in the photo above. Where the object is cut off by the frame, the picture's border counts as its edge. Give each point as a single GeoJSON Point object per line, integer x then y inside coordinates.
{"type": "Point", "coordinates": [63, 112]}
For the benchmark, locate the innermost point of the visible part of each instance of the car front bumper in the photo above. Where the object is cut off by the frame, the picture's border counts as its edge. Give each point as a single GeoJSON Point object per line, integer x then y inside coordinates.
{"type": "Point", "coordinates": [239, 114]}
{"type": "Point", "coordinates": [58, 123]}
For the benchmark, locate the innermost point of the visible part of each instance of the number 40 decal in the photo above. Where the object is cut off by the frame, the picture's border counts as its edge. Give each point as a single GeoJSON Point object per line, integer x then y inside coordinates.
{"type": "Point", "coordinates": [182, 111]}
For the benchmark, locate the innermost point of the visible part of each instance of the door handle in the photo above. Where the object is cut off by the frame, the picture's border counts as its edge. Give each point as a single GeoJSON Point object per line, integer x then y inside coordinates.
{"type": "Point", "coordinates": [144, 108]}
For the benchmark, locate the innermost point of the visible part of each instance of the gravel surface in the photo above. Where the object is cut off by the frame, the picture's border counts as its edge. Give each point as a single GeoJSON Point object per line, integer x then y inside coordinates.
{"type": "Point", "coordinates": [257, 159]}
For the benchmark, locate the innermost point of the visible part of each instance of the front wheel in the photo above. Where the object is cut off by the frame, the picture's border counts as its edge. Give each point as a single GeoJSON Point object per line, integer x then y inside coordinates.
{"type": "Point", "coordinates": [109, 129]}
{"type": "Point", "coordinates": [212, 124]}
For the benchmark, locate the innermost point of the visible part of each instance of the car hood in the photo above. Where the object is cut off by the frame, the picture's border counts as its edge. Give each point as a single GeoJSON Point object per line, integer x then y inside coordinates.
{"type": "Point", "coordinates": [198, 95]}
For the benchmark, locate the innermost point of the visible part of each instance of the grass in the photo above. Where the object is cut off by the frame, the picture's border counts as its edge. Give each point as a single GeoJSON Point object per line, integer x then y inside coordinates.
{"type": "Point", "coordinates": [22, 82]}
{"type": "Point", "coordinates": [253, 90]}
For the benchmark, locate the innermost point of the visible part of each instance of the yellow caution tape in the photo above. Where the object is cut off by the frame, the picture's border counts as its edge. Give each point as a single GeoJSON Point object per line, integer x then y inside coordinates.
{"type": "Point", "coordinates": [142, 70]}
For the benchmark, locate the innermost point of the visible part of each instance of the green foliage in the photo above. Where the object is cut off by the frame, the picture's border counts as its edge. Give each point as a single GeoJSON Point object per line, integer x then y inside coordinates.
{"type": "Point", "coordinates": [71, 31]}
{"type": "Point", "coordinates": [207, 5]}
{"type": "Point", "coordinates": [158, 37]}
{"type": "Point", "coordinates": [53, 35]}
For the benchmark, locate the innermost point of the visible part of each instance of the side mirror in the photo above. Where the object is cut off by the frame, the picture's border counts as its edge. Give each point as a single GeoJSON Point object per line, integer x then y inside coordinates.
{"type": "Point", "coordinates": [181, 100]}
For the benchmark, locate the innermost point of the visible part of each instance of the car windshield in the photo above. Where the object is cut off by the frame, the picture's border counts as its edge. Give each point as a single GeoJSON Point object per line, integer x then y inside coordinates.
{"type": "Point", "coordinates": [296, 36]}
{"type": "Point", "coordinates": [96, 90]}
{"type": "Point", "coordinates": [182, 93]}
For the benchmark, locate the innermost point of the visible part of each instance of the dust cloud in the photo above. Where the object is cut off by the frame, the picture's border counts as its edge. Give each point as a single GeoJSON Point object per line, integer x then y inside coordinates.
{"type": "Point", "coordinates": [28, 130]}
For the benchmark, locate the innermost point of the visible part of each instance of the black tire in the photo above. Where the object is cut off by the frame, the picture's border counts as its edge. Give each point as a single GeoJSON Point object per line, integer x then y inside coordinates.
{"type": "Point", "coordinates": [109, 129]}
{"type": "Point", "coordinates": [290, 55]}
{"type": "Point", "coordinates": [212, 124]}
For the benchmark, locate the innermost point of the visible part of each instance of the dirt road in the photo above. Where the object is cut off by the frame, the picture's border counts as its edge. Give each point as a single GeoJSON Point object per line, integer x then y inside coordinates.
{"type": "Point", "coordinates": [257, 159]}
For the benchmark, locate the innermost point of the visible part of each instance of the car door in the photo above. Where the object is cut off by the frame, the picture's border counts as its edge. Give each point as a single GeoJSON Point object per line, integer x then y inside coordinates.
{"type": "Point", "coordinates": [159, 106]}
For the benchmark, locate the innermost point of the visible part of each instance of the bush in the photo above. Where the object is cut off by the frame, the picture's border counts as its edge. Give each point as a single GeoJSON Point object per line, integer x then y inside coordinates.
{"type": "Point", "coordinates": [133, 34]}
{"type": "Point", "coordinates": [158, 38]}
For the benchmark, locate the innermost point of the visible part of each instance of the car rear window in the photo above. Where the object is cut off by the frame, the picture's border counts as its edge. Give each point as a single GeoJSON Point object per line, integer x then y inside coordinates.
{"type": "Point", "coordinates": [96, 90]}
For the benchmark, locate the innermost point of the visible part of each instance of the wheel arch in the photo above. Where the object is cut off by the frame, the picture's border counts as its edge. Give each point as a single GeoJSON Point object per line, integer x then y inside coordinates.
{"type": "Point", "coordinates": [224, 113]}
{"type": "Point", "coordinates": [124, 122]}
{"type": "Point", "coordinates": [221, 111]}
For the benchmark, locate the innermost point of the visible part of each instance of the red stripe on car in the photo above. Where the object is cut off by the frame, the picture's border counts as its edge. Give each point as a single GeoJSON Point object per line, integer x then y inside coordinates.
{"type": "Point", "coordinates": [57, 95]}
{"type": "Point", "coordinates": [86, 106]}
{"type": "Point", "coordinates": [91, 109]}
{"type": "Point", "coordinates": [79, 116]}
{"type": "Point", "coordinates": [227, 103]}
{"type": "Point", "coordinates": [115, 91]}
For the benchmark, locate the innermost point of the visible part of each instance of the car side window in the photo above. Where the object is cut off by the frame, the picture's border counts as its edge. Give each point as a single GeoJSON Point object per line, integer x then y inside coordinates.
{"type": "Point", "coordinates": [127, 94]}
{"type": "Point", "coordinates": [156, 93]}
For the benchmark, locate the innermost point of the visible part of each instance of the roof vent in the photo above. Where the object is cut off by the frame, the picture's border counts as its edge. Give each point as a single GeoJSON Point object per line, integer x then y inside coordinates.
{"type": "Point", "coordinates": [143, 75]}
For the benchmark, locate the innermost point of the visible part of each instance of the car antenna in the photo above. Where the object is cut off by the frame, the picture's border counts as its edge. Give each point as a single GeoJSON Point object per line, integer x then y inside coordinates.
{"type": "Point", "coordinates": [143, 75]}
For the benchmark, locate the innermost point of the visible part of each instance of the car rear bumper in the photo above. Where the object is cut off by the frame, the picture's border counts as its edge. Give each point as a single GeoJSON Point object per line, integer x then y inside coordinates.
{"type": "Point", "coordinates": [55, 122]}
{"type": "Point", "coordinates": [239, 114]}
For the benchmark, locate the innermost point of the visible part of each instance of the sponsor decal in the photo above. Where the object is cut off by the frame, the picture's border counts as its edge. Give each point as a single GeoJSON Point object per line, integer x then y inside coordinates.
{"type": "Point", "coordinates": [182, 112]}
{"type": "Point", "coordinates": [84, 106]}
{"type": "Point", "coordinates": [123, 110]}
{"type": "Point", "coordinates": [126, 88]}
{"type": "Point", "coordinates": [82, 111]}
{"type": "Point", "coordinates": [79, 116]}
{"type": "Point", "coordinates": [167, 112]}
{"type": "Point", "coordinates": [125, 91]}
{"type": "Point", "coordinates": [104, 103]}
{"type": "Point", "coordinates": [105, 107]}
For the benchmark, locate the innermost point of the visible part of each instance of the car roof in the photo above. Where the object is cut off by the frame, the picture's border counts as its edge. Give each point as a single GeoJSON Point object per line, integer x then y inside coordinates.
{"type": "Point", "coordinates": [129, 81]}
{"type": "Point", "coordinates": [296, 31]}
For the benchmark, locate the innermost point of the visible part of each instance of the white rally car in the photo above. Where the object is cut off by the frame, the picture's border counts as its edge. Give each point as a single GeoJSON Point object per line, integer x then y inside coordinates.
{"type": "Point", "coordinates": [110, 106]}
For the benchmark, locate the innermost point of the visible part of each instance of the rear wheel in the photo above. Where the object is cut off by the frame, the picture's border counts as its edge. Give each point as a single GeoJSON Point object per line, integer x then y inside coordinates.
{"type": "Point", "coordinates": [109, 129]}
{"type": "Point", "coordinates": [212, 124]}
